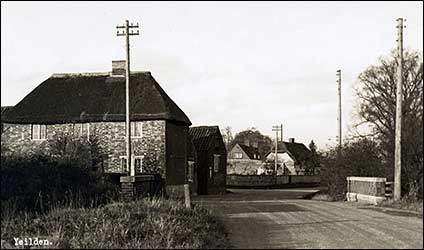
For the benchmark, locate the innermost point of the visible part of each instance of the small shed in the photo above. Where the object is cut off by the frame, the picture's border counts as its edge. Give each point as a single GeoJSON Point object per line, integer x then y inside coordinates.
{"type": "Point", "coordinates": [211, 159]}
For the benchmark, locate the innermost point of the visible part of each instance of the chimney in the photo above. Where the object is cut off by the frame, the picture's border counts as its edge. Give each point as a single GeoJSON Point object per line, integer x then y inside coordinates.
{"type": "Point", "coordinates": [291, 140]}
{"type": "Point", "coordinates": [118, 68]}
{"type": "Point", "coordinates": [247, 143]}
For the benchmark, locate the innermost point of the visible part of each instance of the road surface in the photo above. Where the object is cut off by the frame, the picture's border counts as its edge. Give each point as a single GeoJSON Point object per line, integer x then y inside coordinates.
{"type": "Point", "coordinates": [282, 219]}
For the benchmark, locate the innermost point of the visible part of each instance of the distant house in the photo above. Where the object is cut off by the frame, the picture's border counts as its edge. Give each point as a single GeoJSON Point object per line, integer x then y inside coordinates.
{"type": "Point", "coordinates": [89, 105]}
{"type": "Point", "coordinates": [241, 151]}
{"type": "Point", "coordinates": [243, 159]}
{"type": "Point", "coordinates": [292, 157]}
{"type": "Point", "coordinates": [211, 159]}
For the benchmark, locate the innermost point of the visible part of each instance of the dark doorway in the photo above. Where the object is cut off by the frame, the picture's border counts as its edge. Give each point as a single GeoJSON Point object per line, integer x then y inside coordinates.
{"type": "Point", "coordinates": [202, 174]}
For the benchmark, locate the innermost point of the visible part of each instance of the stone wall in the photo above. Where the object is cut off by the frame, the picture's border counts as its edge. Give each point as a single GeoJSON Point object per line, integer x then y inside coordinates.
{"type": "Point", "coordinates": [17, 139]}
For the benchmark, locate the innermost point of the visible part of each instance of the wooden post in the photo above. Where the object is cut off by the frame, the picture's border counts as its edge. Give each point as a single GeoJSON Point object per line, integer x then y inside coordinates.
{"type": "Point", "coordinates": [339, 115]}
{"type": "Point", "coordinates": [187, 196]}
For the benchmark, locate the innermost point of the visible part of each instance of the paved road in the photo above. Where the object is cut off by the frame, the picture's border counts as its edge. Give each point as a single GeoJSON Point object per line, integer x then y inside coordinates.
{"type": "Point", "coordinates": [282, 219]}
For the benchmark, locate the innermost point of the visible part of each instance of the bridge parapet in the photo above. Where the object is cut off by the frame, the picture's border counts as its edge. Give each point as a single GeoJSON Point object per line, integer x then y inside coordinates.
{"type": "Point", "coordinates": [366, 189]}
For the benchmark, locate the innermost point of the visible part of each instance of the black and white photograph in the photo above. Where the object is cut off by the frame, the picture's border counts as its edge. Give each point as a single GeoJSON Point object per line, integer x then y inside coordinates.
{"type": "Point", "coordinates": [211, 125]}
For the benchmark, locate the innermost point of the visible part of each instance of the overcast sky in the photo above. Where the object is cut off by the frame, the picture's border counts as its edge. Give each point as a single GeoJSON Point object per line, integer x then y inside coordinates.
{"type": "Point", "coordinates": [238, 64]}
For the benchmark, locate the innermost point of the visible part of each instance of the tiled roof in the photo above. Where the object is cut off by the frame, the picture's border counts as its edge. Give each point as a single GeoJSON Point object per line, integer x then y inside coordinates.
{"type": "Point", "coordinates": [203, 136]}
{"type": "Point", "coordinates": [94, 97]}
{"type": "Point", "coordinates": [298, 150]}
{"type": "Point", "coordinates": [250, 151]}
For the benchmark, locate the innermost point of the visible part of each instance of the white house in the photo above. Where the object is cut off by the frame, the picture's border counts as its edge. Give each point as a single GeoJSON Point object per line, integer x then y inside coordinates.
{"type": "Point", "coordinates": [292, 158]}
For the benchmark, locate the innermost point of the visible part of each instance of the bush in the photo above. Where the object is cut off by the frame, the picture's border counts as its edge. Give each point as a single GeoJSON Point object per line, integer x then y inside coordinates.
{"type": "Point", "coordinates": [359, 158]}
{"type": "Point", "coordinates": [39, 183]}
{"type": "Point", "coordinates": [147, 223]}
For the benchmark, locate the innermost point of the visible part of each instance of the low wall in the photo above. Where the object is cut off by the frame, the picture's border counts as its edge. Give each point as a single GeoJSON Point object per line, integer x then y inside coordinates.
{"type": "Point", "coordinates": [243, 167]}
{"type": "Point", "coordinates": [269, 180]}
{"type": "Point", "coordinates": [366, 189]}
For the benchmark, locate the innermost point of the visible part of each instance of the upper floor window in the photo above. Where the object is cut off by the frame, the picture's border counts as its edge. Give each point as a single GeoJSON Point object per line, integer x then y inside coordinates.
{"type": "Point", "coordinates": [38, 131]}
{"type": "Point", "coordinates": [85, 130]}
{"type": "Point", "coordinates": [136, 129]}
{"type": "Point", "coordinates": [238, 155]}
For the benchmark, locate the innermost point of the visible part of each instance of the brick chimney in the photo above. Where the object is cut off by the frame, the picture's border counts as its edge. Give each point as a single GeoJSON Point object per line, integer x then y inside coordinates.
{"type": "Point", "coordinates": [118, 68]}
{"type": "Point", "coordinates": [291, 140]}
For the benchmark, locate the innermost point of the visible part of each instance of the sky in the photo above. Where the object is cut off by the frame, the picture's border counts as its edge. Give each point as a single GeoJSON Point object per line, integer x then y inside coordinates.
{"type": "Point", "coordinates": [237, 64]}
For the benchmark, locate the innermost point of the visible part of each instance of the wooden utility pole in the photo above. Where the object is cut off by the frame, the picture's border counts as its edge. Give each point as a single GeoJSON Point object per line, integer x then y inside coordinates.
{"type": "Point", "coordinates": [339, 115]}
{"type": "Point", "coordinates": [127, 33]}
{"type": "Point", "coordinates": [276, 129]}
{"type": "Point", "coordinates": [398, 136]}
{"type": "Point", "coordinates": [281, 132]}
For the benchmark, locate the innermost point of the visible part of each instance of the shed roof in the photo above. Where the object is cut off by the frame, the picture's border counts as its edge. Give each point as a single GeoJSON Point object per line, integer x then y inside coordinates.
{"type": "Point", "coordinates": [92, 97]}
{"type": "Point", "coordinates": [203, 136]}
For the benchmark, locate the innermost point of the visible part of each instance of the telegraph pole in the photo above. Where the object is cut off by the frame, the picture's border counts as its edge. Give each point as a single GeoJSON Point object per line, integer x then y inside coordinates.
{"type": "Point", "coordinates": [398, 136]}
{"type": "Point", "coordinates": [127, 33]}
{"type": "Point", "coordinates": [339, 115]}
{"type": "Point", "coordinates": [281, 132]}
{"type": "Point", "coordinates": [276, 129]}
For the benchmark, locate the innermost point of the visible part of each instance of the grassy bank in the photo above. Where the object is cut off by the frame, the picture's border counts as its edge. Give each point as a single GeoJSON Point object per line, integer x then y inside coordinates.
{"type": "Point", "coordinates": [148, 223]}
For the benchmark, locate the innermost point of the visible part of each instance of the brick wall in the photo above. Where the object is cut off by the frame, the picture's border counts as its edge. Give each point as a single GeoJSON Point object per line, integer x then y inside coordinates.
{"type": "Point", "coordinates": [17, 139]}
{"type": "Point", "coordinates": [367, 186]}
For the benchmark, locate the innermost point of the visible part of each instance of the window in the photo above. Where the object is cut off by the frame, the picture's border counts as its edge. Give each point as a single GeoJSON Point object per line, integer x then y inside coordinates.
{"type": "Point", "coordinates": [85, 130]}
{"type": "Point", "coordinates": [238, 155]}
{"type": "Point", "coordinates": [210, 171]}
{"type": "Point", "coordinates": [136, 129]}
{"type": "Point", "coordinates": [124, 164]}
{"type": "Point", "coordinates": [216, 163]}
{"type": "Point", "coordinates": [190, 173]}
{"type": "Point", "coordinates": [38, 131]}
{"type": "Point", "coordinates": [138, 164]}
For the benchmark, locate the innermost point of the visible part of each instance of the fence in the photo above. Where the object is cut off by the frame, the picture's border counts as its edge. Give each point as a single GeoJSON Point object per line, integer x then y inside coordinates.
{"type": "Point", "coordinates": [269, 180]}
{"type": "Point", "coordinates": [366, 189]}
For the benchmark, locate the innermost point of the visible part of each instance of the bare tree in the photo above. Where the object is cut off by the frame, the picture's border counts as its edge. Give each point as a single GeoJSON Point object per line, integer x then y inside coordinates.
{"type": "Point", "coordinates": [377, 107]}
{"type": "Point", "coordinates": [227, 135]}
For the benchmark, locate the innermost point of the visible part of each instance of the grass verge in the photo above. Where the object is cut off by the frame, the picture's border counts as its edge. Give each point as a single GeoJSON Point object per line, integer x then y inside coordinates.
{"type": "Point", "coordinates": [404, 204]}
{"type": "Point", "coordinates": [147, 223]}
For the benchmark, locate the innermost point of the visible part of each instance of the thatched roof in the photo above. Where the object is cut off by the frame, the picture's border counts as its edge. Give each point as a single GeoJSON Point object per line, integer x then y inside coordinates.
{"type": "Point", "coordinates": [93, 97]}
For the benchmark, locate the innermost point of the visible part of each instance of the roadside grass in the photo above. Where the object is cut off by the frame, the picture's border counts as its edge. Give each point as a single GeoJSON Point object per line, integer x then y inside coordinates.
{"type": "Point", "coordinates": [404, 204]}
{"type": "Point", "coordinates": [147, 223]}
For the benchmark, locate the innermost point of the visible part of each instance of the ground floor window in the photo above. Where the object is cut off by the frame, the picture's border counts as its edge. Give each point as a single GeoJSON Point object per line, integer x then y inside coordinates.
{"type": "Point", "coordinates": [190, 171]}
{"type": "Point", "coordinates": [138, 164]}
{"type": "Point", "coordinates": [216, 159]}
